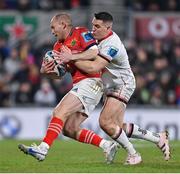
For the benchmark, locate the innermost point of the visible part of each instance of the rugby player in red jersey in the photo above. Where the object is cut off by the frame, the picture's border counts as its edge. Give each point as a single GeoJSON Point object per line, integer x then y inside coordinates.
{"type": "Point", "coordinates": [81, 100]}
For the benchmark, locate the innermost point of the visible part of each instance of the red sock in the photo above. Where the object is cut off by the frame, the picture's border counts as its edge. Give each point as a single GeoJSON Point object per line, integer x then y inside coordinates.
{"type": "Point", "coordinates": [89, 137]}
{"type": "Point", "coordinates": [53, 130]}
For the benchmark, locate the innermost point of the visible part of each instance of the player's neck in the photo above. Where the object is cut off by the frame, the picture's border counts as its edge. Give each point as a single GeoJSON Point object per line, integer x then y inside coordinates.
{"type": "Point", "coordinates": [68, 32]}
{"type": "Point", "coordinates": [106, 35]}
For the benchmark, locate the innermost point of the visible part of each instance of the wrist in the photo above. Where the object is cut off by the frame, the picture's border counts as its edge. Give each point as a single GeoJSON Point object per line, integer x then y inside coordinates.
{"type": "Point", "coordinates": [74, 57]}
{"type": "Point", "coordinates": [41, 70]}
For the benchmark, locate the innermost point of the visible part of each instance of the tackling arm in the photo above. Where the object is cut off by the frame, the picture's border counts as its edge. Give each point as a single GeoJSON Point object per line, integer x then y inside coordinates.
{"type": "Point", "coordinates": [89, 54]}
{"type": "Point", "coordinates": [66, 55]}
{"type": "Point", "coordinates": [93, 66]}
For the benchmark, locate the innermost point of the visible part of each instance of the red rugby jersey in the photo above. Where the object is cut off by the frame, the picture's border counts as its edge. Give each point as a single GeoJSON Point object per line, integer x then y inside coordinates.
{"type": "Point", "coordinates": [79, 40]}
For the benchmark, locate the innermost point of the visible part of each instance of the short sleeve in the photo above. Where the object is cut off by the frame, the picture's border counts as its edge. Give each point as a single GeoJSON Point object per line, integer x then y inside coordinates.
{"type": "Point", "coordinates": [108, 52]}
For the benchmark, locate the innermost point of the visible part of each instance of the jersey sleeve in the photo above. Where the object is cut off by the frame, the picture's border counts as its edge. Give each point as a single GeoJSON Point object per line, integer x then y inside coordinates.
{"type": "Point", "coordinates": [108, 52]}
{"type": "Point", "coordinates": [86, 39]}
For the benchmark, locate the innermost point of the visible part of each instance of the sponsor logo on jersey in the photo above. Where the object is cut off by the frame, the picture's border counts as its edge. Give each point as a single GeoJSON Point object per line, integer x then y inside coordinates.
{"type": "Point", "coordinates": [87, 36]}
{"type": "Point", "coordinates": [112, 51]}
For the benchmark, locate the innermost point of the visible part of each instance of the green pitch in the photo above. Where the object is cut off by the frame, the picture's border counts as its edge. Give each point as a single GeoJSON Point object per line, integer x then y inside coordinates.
{"type": "Point", "coordinates": [74, 157]}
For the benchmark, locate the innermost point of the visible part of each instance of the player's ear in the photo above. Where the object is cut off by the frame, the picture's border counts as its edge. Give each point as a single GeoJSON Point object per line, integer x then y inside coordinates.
{"type": "Point", "coordinates": [64, 25]}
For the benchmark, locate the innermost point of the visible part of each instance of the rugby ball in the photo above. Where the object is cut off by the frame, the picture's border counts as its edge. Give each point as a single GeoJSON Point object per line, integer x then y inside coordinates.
{"type": "Point", "coordinates": [60, 69]}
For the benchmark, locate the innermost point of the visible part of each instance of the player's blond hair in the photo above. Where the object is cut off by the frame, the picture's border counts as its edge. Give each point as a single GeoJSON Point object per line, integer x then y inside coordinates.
{"type": "Point", "coordinates": [65, 17]}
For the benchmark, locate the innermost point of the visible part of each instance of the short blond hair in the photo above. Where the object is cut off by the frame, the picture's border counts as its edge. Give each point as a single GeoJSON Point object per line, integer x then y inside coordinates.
{"type": "Point", "coordinates": [65, 17]}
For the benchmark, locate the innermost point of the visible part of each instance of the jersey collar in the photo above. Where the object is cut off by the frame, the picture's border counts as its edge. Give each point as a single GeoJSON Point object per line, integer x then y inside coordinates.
{"type": "Point", "coordinates": [69, 35]}
{"type": "Point", "coordinates": [109, 34]}
{"type": "Point", "coordinates": [71, 32]}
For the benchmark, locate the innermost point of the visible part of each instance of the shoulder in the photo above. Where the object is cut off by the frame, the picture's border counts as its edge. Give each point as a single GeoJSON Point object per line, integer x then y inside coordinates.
{"type": "Point", "coordinates": [111, 45]}
{"type": "Point", "coordinates": [81, 29]}
{"type": "Point", "coordinates": [85, 34]}
{"type": "Point", "coordinates": [115, 38]}
{"type": "Point", "coordinates": [112, 40]}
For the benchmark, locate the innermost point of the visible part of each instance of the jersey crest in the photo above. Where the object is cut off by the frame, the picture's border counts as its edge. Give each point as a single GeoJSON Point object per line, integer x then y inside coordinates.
{"type": "Point", "coordinates": [87, 36]}
{"type": "Point", "coordinates": [112, 51]}
{"type": "Point", "coordinates": [73, 43]}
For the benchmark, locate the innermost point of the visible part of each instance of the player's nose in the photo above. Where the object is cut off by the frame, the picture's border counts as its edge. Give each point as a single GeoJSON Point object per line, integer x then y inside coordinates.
{"type": "Point", "coordinates": [53, 33]}
{"type": "Point", "coordinates": [93, 30]}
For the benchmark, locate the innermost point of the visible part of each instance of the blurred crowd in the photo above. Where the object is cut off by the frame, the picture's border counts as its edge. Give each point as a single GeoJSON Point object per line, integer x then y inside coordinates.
{"type": "Point", "coordinates": [25, 5]}
{"type": "Point", "coordinates": [156, 65]}
{"type": "Point", "coordinates": [138, 5]}
{"type": "Point", "coordinates": [153, 5]}
{"type": "Point", "coordinates": [20, 80]}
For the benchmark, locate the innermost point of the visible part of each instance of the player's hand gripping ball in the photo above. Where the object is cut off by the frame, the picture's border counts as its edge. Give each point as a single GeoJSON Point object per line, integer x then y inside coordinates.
{"type": "Point", "coordinates": [60, 69]}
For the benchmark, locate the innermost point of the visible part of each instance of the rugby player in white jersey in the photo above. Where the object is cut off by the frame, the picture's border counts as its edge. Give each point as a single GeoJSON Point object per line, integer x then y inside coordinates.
{"type": "Point", "coordinates": [119, 83]}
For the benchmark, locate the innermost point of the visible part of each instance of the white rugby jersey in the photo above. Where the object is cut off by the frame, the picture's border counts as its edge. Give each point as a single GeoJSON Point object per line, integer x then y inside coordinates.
{"type": "Point", "coordinates": [113, 50]}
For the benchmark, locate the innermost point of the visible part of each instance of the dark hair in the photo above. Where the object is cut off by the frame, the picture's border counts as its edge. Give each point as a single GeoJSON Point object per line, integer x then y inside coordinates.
{"type": "Point", "coordinates": [104, 16]}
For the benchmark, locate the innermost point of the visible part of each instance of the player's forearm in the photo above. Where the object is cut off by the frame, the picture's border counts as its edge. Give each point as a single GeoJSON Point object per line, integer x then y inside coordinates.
{"type": "Point", "coordinates": [87, 66]}
{"type": "Point", "coordinates": [51, 75]}
{"type": "Point", "coordinates": [86, 55]}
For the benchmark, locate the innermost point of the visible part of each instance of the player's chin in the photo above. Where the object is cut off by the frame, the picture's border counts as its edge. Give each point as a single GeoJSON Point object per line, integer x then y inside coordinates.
{"type": "Point", "coordinates": [58, 38]}
{"type": "Point", "coordinates": [95, 35]}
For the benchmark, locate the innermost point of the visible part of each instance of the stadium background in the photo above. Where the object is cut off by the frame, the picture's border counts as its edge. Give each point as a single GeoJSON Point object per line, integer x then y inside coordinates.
{"type": "Point", "coordinates": [150, 30]}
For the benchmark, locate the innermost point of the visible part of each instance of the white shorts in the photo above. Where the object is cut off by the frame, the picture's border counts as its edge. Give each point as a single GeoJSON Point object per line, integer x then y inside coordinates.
{"type": "Point", "coordinates": [121, 87]}
{"type": "Point", "coordinates": [89, 91]}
